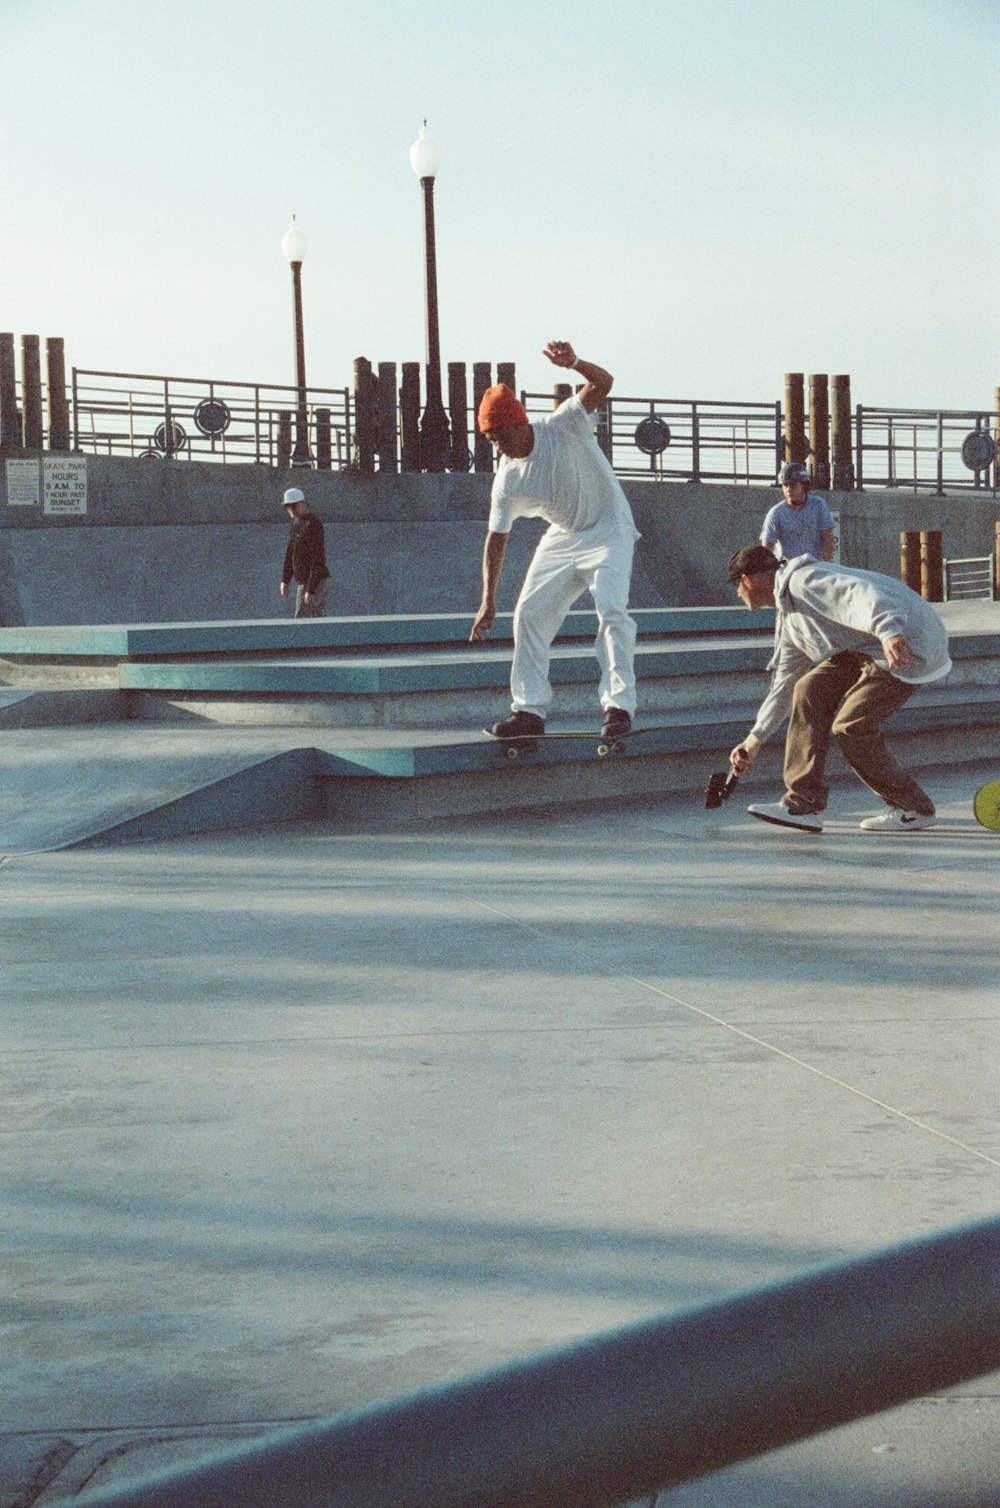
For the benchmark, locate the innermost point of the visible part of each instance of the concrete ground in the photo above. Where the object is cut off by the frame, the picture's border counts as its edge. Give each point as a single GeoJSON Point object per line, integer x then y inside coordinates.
{"type": "Point", "coordinates": [297, 1120]}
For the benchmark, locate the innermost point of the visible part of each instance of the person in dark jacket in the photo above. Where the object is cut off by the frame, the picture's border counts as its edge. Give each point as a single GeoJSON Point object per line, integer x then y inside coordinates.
{"type": "Point", "coordinates": [305, 557]}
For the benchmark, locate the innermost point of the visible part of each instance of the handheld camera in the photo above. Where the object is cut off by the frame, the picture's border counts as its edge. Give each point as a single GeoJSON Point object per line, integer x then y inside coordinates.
{"type": "Point", "coordinates": [720, 787]}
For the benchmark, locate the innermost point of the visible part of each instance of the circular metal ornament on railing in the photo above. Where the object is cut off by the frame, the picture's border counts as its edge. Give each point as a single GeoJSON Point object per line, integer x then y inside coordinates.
{"type": "Point", "coordinates": [212, 417]}
{"type": "Point", "coordinates": [978, 450]}
{"type": "Point", "coordinates": [652, 435]}
{"type": "Point", "coordinates": [176, 440]}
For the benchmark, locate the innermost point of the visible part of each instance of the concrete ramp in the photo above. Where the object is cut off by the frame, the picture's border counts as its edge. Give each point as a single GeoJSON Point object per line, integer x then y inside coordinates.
{"type": "Point", "coordinates": [109, 785]}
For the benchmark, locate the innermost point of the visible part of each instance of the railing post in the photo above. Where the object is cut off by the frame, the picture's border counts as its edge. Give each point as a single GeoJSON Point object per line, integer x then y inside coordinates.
{"type": "Point", "coordinates": [11, 435]}
{"type": "Point", "coordinates": [996, 561]}
{"type": "Point", "coordinates": [819, 428]}
{"type": "Point", "coordinates": [695, 445]}
{"type": "Point", "coordinates": [859, 449]}
{"type": "Point", "coordinates": [409, 416]}
{"type": "Point", "coordinates": [996, 439]}
{"type": "Point", "coordinates": [482, 451]}
{"type": "Point", "coordinates": [388, 407]}
{"type": "Point", "coordinates": [940, 466]}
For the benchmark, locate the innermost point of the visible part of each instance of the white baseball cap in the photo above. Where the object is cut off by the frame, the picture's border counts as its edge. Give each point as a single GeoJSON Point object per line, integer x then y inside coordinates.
{"type": "Point", "coordinates": [292, 496]}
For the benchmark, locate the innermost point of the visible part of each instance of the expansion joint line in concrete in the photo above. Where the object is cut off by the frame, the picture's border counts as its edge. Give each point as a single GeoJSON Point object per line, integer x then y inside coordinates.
{"type": "Point", "coordinates": [771, 1047]}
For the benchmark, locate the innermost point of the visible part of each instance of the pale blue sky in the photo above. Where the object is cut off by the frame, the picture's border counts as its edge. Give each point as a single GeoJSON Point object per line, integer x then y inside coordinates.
{"type": "Point", "coordinates": [701, 197]}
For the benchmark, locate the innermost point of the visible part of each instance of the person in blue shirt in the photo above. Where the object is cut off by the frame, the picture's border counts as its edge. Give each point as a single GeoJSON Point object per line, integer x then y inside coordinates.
{"type": "Point", "coordinates": [802, 524]}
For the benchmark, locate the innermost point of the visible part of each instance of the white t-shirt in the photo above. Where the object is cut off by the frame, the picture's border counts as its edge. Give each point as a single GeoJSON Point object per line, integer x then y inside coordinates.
{"type": "Point", "coordinates": [567, 479]}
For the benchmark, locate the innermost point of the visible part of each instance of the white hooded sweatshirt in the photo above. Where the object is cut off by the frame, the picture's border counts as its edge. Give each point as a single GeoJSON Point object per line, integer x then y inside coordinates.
{"type": "Point", "coordinates": [823, 609]}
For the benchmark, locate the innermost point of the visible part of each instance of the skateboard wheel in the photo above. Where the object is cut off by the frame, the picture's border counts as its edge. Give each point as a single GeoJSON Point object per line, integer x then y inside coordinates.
{"type": "Point", "coordinates": [603, 750]}
{"type": "Point", "coordinates": [513, 754]}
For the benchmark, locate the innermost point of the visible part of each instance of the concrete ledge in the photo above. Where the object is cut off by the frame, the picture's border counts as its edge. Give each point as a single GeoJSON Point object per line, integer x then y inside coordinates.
{"type": "Point", "coordinates": [266, 635]}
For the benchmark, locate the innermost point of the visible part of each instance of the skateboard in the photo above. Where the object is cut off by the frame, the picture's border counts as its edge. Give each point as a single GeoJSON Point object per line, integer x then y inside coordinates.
{"type": "Point", "coordinates": [527, 743]}
{"type": "Point", "coordinates": [986, 805]}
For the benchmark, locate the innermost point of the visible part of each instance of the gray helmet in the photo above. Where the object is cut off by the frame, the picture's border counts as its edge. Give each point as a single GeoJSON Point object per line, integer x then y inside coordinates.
{"type": "Point", "coordinates": [793, 471]}
{"type": "Point", "coordinates": [292, 496]}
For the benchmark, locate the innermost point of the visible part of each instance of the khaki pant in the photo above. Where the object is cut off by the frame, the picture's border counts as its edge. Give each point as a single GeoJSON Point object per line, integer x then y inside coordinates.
{"type": "Point", "coordinates": [847, 697]}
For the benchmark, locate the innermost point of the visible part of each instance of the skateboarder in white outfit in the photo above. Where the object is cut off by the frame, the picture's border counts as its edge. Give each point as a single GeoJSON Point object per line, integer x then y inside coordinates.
{"type": "Point", "coordinates": [554, 469]}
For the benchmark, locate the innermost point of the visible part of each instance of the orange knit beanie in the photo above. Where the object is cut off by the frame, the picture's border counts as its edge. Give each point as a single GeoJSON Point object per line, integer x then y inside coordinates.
{"type": "Point", "coordinates": [500, 408]}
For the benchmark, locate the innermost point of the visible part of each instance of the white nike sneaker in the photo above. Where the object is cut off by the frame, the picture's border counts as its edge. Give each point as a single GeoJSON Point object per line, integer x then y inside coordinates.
{"type": "Point", "coordinates": [896, 821]}
{"type": "Point", "coordinates": [778, 813]}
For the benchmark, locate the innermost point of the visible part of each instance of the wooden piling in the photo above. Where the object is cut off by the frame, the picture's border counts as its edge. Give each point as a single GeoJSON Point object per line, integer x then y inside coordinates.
{"type": "Point", "coordinates": [409, 416]}
{"type": "Point", "coordinates": [819, 428]}
{"type": "Point", "coordinates": [324, 440]}
{"type": "Point", "coordinates": [931, 566]}
{"type": "Point", "coordinates": [387, 406]}
{"type": "Point", "coordinates": [796, 448]}
{"type": "Point", "coordinates": [482, 450]}
{"type": "Point", "coordinates": [11, 437]}
{"type": "Point", "coordinates": [285, 437]}
{"type": "Point", "coordinates": [459, 457]}
{"type": "Point", "coordinates": [55, 361]}
{"type": "Point", "coordinates": [31, 392]}
{"type": "Point", "coordinates": [842, 465]}
{"type": "Point", "coordinates": [364, 414]}
{"type": "Point", "coordinates": [909, 559]}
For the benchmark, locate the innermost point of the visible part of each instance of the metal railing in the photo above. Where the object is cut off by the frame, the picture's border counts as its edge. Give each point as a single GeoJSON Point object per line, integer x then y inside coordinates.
{"type": "Point", "coordinates": [621, 1416]}
{"type": "Point", "coordinates": [942, 450]}
{"type": "Point", "coordinates": [671, 439]}
{"type": "Point", "coordinates": [968, 578]}
{"type": "Point", "coordinates": [196, 419]}
{"type": "Point", "coordinates": [685, 439]}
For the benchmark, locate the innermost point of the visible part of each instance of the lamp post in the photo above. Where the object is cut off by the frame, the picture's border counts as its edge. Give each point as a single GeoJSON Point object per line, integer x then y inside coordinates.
{"type": "Point", "coordinates": [425, 158]}
{"type": "Point", "coordinates": [293, 244]}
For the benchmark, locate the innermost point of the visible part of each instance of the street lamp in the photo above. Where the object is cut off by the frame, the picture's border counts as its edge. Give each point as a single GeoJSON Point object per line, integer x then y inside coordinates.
{"type": "Point", "coordinates": [293, 244]}
{"type": "Point", "coordinates": [425, 159]}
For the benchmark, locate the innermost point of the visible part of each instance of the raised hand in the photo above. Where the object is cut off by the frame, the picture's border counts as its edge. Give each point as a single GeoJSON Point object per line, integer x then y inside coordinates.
{"type": "Point", "coordinates": [560, 353]}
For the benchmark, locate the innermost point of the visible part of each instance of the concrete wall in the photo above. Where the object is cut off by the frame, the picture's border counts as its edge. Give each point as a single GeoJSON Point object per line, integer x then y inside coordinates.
{"type": "Point", "coordinates": [190, 541]}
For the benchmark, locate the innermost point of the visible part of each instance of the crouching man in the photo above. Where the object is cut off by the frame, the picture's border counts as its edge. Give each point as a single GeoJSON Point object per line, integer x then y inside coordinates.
{"type": "Point", "coordinates": [851, 648]}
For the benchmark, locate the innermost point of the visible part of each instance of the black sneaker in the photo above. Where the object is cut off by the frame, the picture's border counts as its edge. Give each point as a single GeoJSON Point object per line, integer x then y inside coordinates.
{"type": "Point", "coordinates": [520, 725]}
{"type": "Point", "coordinates": [616, 722]}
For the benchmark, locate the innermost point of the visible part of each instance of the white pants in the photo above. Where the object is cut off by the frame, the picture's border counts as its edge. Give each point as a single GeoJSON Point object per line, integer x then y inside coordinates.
{"type": "Point", "coordinates": [598, 560]}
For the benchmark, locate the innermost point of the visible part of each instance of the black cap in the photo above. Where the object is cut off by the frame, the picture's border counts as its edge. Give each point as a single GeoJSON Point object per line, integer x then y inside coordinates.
{"type": "Point", "coordinates": [752, 560]}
